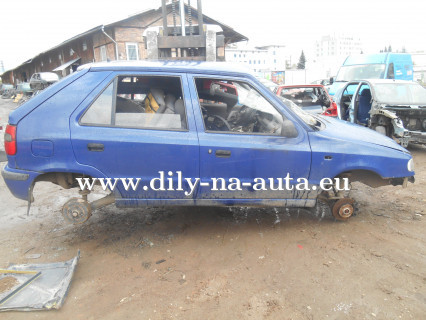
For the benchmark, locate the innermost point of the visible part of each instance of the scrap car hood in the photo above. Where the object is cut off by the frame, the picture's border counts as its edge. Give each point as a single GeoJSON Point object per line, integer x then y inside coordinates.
{"type": "Point", "coordinates": [339, 129]}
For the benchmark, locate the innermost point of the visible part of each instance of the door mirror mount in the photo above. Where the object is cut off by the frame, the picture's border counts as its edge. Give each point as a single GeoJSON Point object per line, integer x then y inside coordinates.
{"type": "Point", "coordinates": [288, 129]}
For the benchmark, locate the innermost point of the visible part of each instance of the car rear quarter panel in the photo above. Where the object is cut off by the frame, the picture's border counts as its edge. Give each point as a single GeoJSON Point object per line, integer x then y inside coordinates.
{"type": "Point", "coordinates": [43, 135]}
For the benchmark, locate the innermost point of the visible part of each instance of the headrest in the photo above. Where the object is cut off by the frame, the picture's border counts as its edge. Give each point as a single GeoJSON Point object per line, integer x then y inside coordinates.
{"type": "Point", "coordinates": [366, 93]}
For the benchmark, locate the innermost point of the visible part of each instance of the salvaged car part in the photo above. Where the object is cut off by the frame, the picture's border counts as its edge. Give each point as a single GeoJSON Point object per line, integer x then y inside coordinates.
{"type": "Point", "coordinates": [311, 98]}
{"type": "Point", "coordinates": [394, 108]}
{"type": "Point", "coordinates": [194, 120]}
{"type": "Point", "coordinates": [79, 210]}
{"type": "Point", "coordinates": [41, 80]}
{"type": "Point", "coordinates": [47, 291]}
{"type": "Point", "coordinates": [28, 277]}
{"type": "Point", "coordinates": [343, 209]}
{"type": "Point", "coordinates": [76, 210]}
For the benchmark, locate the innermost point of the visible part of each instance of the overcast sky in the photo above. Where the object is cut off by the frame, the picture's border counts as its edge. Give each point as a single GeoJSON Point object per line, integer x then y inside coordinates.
{"type": "Point", "coordinates": [29, 27]}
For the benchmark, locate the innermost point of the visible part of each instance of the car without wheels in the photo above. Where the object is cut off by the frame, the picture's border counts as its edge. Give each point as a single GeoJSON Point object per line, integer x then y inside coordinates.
{"type": "Point", "coordinates": [198, 120]}
{"type": "Point", "coordinates": [312, 98]}
{"type": "Point", "coordinates": [395, 108]}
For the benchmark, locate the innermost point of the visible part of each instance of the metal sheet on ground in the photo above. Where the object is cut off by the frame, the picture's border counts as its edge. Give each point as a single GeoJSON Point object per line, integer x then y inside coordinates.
{"type": "Point", "coordinates": [48, 291]}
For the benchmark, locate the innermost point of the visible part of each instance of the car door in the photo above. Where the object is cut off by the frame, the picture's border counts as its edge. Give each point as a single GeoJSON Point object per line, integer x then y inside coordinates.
{"type": "Point", "coordinates": [234, 155]}
{"type": "Point", "coordinates": [343, 99]}
{"type": "Point", "coordinates": [114, 132]}
{"type": "Point", "coordinates": [360, 104]}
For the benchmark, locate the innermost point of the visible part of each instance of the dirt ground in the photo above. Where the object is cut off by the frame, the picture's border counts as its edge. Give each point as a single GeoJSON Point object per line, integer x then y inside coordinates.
{"type": "Point", "coordinates": [210, 263]}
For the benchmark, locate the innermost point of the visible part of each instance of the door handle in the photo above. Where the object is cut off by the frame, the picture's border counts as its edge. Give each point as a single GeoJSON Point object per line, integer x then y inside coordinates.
{"type": "Point", "coordinates": [223, 153]}
{"type": "Point", "coordinates": [96, 147]}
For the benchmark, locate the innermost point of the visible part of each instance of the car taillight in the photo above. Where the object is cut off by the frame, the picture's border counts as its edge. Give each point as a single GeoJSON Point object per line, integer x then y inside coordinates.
{"type": "Point", "coordinates": [331, 111]}
{"type": "Point", "coordinates": [10, 140]}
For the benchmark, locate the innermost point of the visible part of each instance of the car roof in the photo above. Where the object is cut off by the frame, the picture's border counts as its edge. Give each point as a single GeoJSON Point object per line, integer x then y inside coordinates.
{"type": "Point", "coordinates": [176, 66]}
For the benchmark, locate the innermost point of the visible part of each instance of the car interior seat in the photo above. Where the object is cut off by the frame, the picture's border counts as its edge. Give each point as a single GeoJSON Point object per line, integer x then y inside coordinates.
{"type": "Point", "coordinates": [169, 104]}
{"type": "Point", "coordinates": [154, 102]}
{"type": "Point", "coordinates": [364, 106]}
{"type": "Point", "coordinates": [180, 109]}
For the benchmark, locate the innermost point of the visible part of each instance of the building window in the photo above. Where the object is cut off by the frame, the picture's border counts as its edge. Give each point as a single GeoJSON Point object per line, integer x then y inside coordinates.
{"type": "Point", "coordinates": [132, 51]}
{"type": "Point", "coordinates": [235, 55]}
{"type": "Point", "coordinates": [60, 57]}
{"type": "Point", "coordinates": [103, 53]}
{"type": "Point", "coordinates": [71, 52]}
{"type": "Point", "coordinates": [84, 46]}
{"type": "Point", "coordinates": [50, 60]}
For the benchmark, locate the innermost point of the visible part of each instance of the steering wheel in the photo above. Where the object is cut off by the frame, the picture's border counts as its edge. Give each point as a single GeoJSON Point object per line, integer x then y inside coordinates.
{"type": "Point", "coordinates": [217, 123]}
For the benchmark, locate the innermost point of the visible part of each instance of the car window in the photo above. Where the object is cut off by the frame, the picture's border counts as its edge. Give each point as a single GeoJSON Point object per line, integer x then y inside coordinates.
{"type": "Point", "coordinates": [234, 106]}
{"type": "Point", "coordinates": [146, 102]}
{"type": "Point", "coordinates": [391, 71]}
{"type": "Point", "coordinates": [100, 111]}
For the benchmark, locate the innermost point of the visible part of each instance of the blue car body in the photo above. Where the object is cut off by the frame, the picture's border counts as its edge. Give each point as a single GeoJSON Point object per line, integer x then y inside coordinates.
{"type": "Point", "coordinates": [52, 142]}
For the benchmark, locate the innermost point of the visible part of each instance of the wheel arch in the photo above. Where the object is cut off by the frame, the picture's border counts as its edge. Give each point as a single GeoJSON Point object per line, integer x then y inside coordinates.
{"type": "Point", "coordinates": [366, 176]}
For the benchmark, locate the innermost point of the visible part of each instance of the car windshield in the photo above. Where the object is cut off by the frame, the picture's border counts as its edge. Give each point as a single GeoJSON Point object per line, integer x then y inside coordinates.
{"type": "Point", "coordinates": [362, 71]}
{"type": "Point", "coordinates": [400, 93]}
{"type": "Point", "coordinates": [252, 99]}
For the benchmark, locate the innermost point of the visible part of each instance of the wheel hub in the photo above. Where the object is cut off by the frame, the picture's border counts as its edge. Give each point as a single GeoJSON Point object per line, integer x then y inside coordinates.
{"type": "Point", "coordinates": [343, 209]}
{"type": "Point", "coordinates": [76, 210]}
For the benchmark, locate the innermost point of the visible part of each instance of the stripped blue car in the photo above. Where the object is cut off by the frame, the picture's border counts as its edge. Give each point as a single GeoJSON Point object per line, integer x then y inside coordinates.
{"type": "Point", "coordinates": [182, 124]}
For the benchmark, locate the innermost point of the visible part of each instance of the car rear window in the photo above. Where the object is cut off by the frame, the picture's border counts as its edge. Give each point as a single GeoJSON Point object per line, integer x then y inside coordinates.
{"type": "Point", "coordinates": [146, 102]}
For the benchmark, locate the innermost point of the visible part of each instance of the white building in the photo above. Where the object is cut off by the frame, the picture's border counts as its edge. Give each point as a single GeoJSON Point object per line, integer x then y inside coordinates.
{"type": "Point", "coordinates": [260, 59]}
{"type": "Point", "coordinates": [330, 52]}
{"type": "Point", "coordinates": [338, 45]}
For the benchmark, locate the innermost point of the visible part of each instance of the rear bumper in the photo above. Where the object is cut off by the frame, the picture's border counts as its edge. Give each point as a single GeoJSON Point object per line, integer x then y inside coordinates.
{"type": "Point", "coordinates": [19, 182]}
{"type": "Point", "coordinates": [16, 176]}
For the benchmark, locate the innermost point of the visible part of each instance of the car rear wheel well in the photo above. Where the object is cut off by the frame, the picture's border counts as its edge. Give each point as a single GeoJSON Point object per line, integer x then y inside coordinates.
{"type": "Point", "coordinates": [66, 180]}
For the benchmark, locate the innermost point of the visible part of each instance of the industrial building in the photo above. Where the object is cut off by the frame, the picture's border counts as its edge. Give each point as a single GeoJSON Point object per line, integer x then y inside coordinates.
{"type": "Point", "coordinates": [120, 40]}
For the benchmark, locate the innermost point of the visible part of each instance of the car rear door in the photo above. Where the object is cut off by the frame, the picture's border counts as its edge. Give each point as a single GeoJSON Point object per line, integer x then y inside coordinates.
{"type": "Point", "coordinates": [109, 133]}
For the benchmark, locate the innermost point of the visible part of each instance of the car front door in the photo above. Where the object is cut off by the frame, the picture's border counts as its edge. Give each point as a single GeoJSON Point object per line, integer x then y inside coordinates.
{"type": "Point", "coordinates": [118, 132]}
{"type": "Point", "coordinates": [241, 141]}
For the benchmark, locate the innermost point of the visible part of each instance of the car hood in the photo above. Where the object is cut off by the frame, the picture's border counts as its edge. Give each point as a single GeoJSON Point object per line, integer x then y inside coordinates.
{"type": "Point", "coordinates": [339, 129]}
